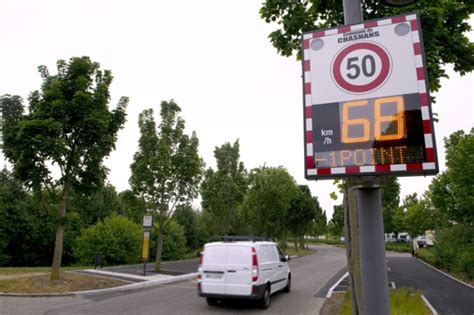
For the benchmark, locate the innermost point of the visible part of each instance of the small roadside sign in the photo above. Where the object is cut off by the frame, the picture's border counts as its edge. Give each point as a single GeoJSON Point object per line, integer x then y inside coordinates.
{"type": "Point", "coordinates": [147, 221]}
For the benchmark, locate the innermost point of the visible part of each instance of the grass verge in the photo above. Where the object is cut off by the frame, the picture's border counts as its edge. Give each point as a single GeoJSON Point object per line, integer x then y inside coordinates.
{"type": "Point", "coordinates": [428, 256]}
{"type": "Point", "coordinates": [398, 247]}
{"type": "Point", "coordinates": [37, 281]}
{"type": "Point", "coordinates": [403, 301]}
{"type": "Point", "coordinates": [290, 251]}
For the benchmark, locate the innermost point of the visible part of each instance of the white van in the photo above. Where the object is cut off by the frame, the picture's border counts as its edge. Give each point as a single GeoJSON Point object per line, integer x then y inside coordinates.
{"type": "Point", "coordinates": [243, 270]}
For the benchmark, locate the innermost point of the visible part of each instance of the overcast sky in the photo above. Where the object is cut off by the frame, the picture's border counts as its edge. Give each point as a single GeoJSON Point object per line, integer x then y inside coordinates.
{"type": "Point", "coordinates": [212, 57]}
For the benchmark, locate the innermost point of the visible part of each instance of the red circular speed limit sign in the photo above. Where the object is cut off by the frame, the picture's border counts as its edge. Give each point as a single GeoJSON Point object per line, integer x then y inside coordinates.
{"type": "Point", "coordinates": [361, 67]}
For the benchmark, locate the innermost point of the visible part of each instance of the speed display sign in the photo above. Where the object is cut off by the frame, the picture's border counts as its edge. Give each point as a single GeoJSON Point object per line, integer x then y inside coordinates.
{"type": "Point", "coordinates": [366, 101]}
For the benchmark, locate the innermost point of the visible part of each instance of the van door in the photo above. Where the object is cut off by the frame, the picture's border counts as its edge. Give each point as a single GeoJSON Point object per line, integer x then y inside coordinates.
{"type": "Point", "coordinates": [238, 273]}
{"type": "Point", "coordinates": [281, 268]}
{"type": "Point", "coordinates": [213, 269]}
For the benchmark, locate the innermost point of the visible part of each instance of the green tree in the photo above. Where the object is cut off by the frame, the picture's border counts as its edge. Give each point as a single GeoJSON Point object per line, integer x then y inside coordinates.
{"type": "Point", "coordinates": [320, 225]}
{"type": "Point", "coordinates": [390, 205]}
{"type": "Point", "coordinates": [303, 211]}
{"type": "Point", "coordinates": [420, 215]}
{"type": "Point", "coordinates": [132, 206]}
{"type": "Point", "coordinates": [26, 228]}
{"type": "Point", "coordinates": [445, 24]}
{"type": "Point", "coordinates": [187, 218]}
{"type": "Point", "coordinates": [95, 206]}
{"type": "Point", "coordinates": [116, 237]}
{"type": "Point", "coordinates": [268, 200]}
{"type": "Point", "coordinates": [336, 225]}
{"type": "Point", "coordinates": [223, 191]}
{"type": "Point", "coordinates": [68, 129]}
{"type": "Point", "coordinates": [453, 191]}
{"type": "Point", "coordinates": [166, 169]}
{"type": "Point", "coordinates": [174, 241]}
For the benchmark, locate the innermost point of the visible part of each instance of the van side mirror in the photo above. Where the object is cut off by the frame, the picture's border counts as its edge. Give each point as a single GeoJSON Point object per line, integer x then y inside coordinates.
{"type": "Point", "coordinates": [285, 258]}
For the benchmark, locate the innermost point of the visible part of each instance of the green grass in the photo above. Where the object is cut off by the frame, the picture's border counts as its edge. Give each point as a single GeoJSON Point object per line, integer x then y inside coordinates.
{"type": "Point", "coordinates": [403, 301]}
{"type": "Point", "coordinates": [427, 255]}
{"type": "Point", "coordinates": [290, 251]}
{"type": "Point", "coordinates": [398, 247]}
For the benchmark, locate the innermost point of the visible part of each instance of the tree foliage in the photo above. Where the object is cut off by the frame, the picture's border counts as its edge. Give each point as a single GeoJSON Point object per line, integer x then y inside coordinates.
{"type": "Point", "coordinates": [444, 24]}
{"type": "Point", "coordinates": [174, 241]}
{"type": "Point", "coordinates": [453, 191]}
{"type": "Point", "coordinates": [187, 218]}
{"type": "Point", "coordinates": [336, 224]}
{"type": "Point", "coordinates": [132, 207]}
{"type": "Point", "coordinates": [268, 200]}
{"type": "Point", "coordinates": [223, 190]}
{"type": "Point", "coordinates": [390, 205]}
{"type": "Point", "coordinates": [68, 129]}
{"type": "Point", "coordinates": [26, 227]}
{"type": "Point", "coordinates": [420, 215]}
{"type": "Point", "coordinates": [166, 169]}
{"type": "Point", "coordinates": [303, 211]}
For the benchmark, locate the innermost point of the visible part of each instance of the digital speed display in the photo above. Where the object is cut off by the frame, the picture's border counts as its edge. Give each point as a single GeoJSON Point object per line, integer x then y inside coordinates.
{"type": "Point", "coordinates": [385, 130]}
{"type": "Point", "coordinates": [367, 107]}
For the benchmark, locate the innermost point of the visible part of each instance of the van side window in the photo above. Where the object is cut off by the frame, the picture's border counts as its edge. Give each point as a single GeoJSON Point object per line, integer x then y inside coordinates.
{"type": "Point", "coordinates": [274, 253]}
{"type": "Point", "coordinates": [263, 254]}
{"type": "Point", "coordinates": [280, 253]}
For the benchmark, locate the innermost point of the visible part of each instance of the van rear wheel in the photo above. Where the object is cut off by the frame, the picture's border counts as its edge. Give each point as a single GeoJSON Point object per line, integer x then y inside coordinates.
{"type": "Point", "coordinates": [211, 301]}
{"type": "Point", "coordinates": [264, 302]}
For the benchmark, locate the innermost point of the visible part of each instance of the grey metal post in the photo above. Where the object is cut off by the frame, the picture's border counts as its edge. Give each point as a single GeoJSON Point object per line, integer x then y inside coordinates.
{"type": "Point", "coordinates": [373, 263]}
{"type": "Point", "coordinates": [352, 11]}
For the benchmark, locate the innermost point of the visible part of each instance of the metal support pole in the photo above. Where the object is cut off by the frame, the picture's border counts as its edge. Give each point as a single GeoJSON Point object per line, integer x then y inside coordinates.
{"type": "Point", "coordinates": [373, 263]}
{"type": "Point", "coordinates": [352, 11]}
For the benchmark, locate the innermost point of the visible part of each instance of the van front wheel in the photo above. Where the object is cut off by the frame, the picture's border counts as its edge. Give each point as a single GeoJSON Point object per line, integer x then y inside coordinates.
{"type": "Point", "coordinates": [264, 303]}
{"type": "Point", "coordinates": [288, 285]}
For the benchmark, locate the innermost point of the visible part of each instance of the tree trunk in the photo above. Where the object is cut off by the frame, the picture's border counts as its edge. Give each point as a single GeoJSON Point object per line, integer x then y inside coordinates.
{"type": "Point", "coordinates": [58, 244]}
{"type": "Point", "coordinates": [301, 241]}
{"type": "Point", "coordinates": [159, 248]}
{"type": "Point", "coordinates": [296, 243]}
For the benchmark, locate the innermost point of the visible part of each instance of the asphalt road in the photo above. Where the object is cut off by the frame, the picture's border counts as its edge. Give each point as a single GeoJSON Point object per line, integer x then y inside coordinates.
{"type": "Point", "coordinates": [446, 295]}
{"type": "Point", "coordinates": [311, 277]}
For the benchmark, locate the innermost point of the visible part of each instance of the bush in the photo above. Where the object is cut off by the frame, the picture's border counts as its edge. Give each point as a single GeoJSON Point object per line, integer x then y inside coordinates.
{"type": "Point", "coordinates": [427, 254]}
{"type": "Point", "coordinates": [174, 242]}
{"type": "Point", "coordinates": [116, 237]}
{"type": "Point", "coordinates": [454, 249]}
{"type": "Point", "coordinates": [399, 247]}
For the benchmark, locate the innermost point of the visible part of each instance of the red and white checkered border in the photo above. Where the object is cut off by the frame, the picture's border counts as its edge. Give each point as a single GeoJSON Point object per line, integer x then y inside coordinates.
{"type": "Point", "coordinates": [430, 165]}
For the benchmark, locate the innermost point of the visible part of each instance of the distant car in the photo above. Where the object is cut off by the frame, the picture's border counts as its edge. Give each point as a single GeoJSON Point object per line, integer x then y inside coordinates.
{"type": "Point", "coordinates": [421, 240]}
{"type": "Point", "coordinates": [243, 270]}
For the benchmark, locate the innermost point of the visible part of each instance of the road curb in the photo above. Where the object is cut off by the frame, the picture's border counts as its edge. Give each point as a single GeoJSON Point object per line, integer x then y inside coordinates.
{"type": "Point", "coordinates": [124, 288]}
{"type": "Point", "coordinates": [137, 286]}
{"type": "Point", "coordinates": [428, 304]}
